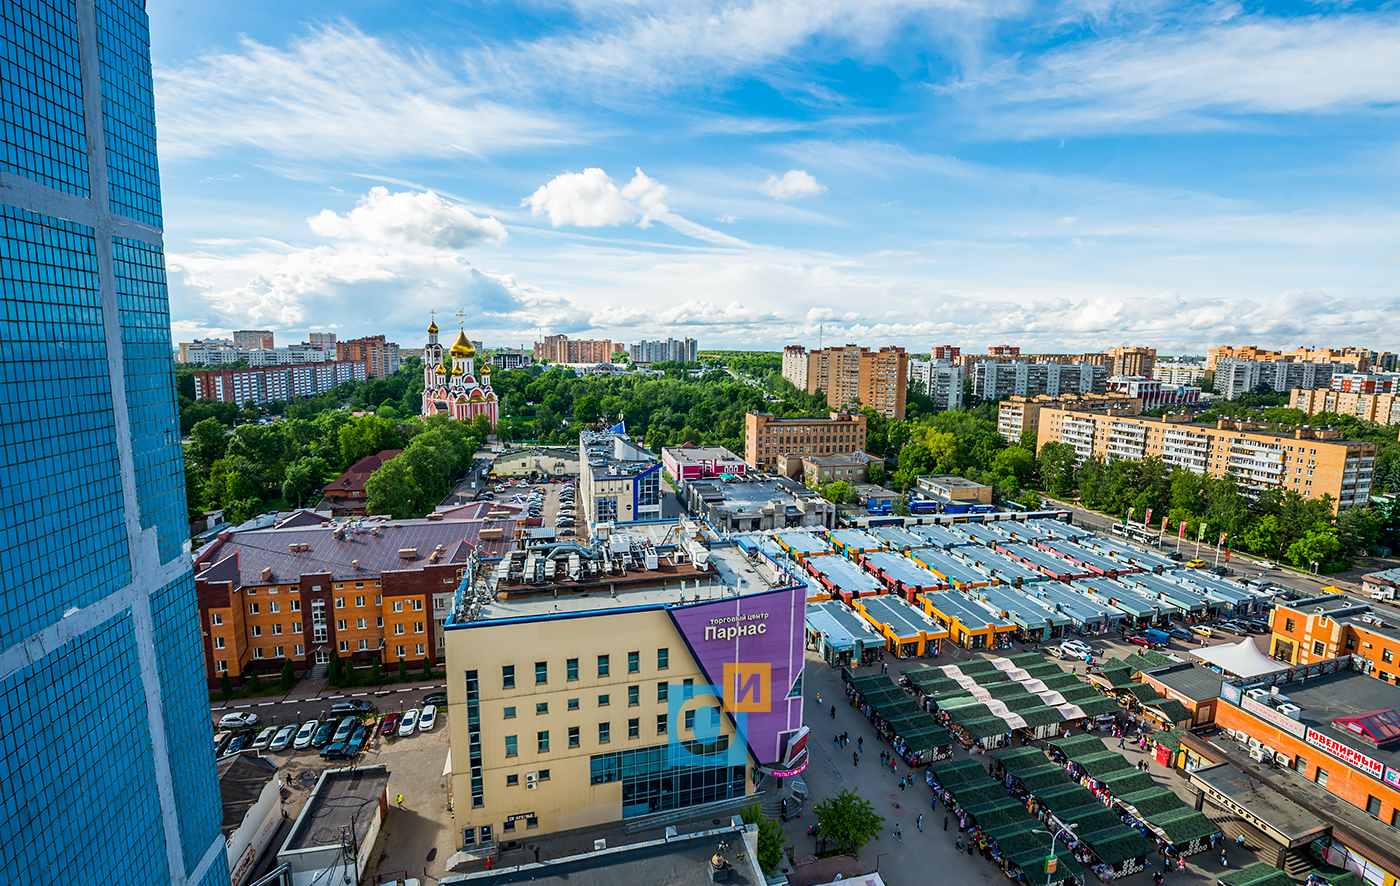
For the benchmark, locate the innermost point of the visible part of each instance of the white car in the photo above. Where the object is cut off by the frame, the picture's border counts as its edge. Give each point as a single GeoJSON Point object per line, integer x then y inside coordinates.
{"type": "Point", "coordinates": [305, 734]}
{"type": "Point", "coordinates": [283, 739]}
{"type": "Point", "coordinates": [237, 719]}
{"type": "Point", "coordinates": [264, 739]}
{"type": "Point", "coordinates": [428, 719]}
{"type": "Point", "coordinates": [1076, 649]}
{"type": "Point", "coordinates": [409, 722]}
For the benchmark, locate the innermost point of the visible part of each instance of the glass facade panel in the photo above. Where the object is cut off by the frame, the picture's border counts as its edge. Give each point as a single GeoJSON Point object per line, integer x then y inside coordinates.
{"type": "Point", "coordinates": [42, 93]}
{"type": "Point", "coordinates": [128, 113]}
{"type": "Point", "coordinates": [650, 784]}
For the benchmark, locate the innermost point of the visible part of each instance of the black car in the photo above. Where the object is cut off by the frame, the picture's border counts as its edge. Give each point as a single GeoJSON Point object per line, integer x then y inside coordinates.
{"type": "Point", "coordinates": [1173, 555]}
{"type": "Point", "coordinates": [437, 698]}
{"type": "Point", "coordinates": [238, 743]}
{"type": "Point", "coordinates": [351, 706]}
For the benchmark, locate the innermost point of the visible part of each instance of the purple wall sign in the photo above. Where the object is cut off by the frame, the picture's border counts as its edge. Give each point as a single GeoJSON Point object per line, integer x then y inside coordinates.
{"type": "Point", "coordinates": [752, 647]}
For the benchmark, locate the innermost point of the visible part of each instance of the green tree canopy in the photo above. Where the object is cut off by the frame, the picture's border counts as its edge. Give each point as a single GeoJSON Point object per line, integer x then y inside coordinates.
{"type": "Point", "coordinates": [849, 820]}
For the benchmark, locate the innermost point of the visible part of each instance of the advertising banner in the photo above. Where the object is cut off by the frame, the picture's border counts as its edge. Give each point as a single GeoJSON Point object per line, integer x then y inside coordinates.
{"type": "Point", "coordinates": [1370, 766]}
{"type": "Point", "coordinates": [750, 649]}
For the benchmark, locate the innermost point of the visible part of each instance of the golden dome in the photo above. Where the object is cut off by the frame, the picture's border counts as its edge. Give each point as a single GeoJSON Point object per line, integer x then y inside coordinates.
{"type": "Point", "coordinates": [462, 347]}
{"type": "Point", "coordinates": [432, 327]}
{"type": "Point", "coordinates": [441, 370]}
{"type": "Point", "coordinates": [456, 368]}
{"type": "Point", "coordinates": [486, 370]}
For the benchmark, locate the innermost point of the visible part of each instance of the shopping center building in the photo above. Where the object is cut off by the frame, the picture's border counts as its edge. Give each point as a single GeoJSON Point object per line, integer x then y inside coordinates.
{"type": "Point", "coordinates": [639, 675]}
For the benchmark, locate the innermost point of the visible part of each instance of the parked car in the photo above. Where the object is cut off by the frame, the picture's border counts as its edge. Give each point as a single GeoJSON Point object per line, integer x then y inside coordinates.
{"type": "Point", "coordinates": [409, 722]}
{"type": "Point", "coordinates": [357, 741]}
{"type": "Point", "coordinates": [264, 738]}
{"type": "Point", "coordinates": [390, 725]}
{"type": "Point", "coordinates": [238, 743]}
{"type": "Point", "coordinates": [1202, 631]}
{"type": "Point", "coordinates": [428, 719]}
{"type": "Point", "coordinates": [1173, 555]}
{"type": "Point", "coordinates": [345, 729]}
{"type": "Point", "coordinates": [1197, 563]}
{"type": "Point", "coordinates": [437, 698]}
{"type": "Point", "coordinates": [1140, 640]}
{"type": "Point", "coordinates": [1180, 633]}
{"type": "Point", "coordinates": [237, 719]}
{"type": "Point", "coordinates": [283, 739]}
{"type": "Point", "coordinates": [305, 734]}
{"type": "Point", "coordinates": [323, 734]}
{"type": "Point", "coordinates": [1076, 648]}
{"type": "Point", "coordinates": [334, 749]}
{"type": "Point", "coordinates": [351, 706]}
{"type": "Point", "coordinates": [1219, 570]}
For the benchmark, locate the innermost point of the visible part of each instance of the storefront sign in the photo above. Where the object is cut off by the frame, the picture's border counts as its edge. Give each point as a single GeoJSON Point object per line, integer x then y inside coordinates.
{"type": "Point", "coordinates": [1231, 692]}
{"type": "Point", "coordinates": [1392, 777]}
{"type": "Point", "coordinates": [520, 816]}
{"type": "Point", "coordinates": [1273, 717]}
{"type": "Point", "coordinates": [1371, 767]}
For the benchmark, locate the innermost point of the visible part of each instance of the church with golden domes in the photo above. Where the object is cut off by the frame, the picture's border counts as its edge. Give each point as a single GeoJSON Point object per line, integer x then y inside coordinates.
{"type": "Point", "coordinates": [456, 392]}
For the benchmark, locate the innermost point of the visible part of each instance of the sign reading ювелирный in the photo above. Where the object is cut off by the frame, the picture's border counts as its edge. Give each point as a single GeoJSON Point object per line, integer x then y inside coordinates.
{"type": "Point", "coordinates": [1371, 767]}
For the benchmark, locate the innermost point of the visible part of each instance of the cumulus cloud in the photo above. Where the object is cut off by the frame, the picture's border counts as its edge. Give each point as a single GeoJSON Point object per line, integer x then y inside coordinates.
{"type": "Point", "coordinates": [408, 218]}
{"type": "Point", "coordinates": [590, 199]}
{"type": "Point", "coordinates": [795, 183]}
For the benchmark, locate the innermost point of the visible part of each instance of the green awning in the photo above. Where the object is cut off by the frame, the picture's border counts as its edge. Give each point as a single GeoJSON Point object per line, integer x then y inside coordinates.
{"type": "Point", "coordinates": [1125, 845]}
{"type": "Point", "coordinates": [1171, 710]}
{"type": "Point", "coordinates": [1184, 825]}
{"type": "Point", "coordinates": [1170, 738]}
{"type": "Point", "coordinates": [1094, 707]}
{"type": "Point", "coordinates": [1261, 874]}
{"type": "Point", "coordinates": [1152, 801]}
{"type": "Point", "coordinates": [1041, 716]}
{"type": "Point", "coordinates": [1015, 759]}
{"type": "Point", "coordinates": [1129, 782]}
{"type": "Point", "coordinates": [951, 772]}
{"type": "Point", "coordinates": [1142, 692]}
{"type": "Point", "coordinates": [1078, 745]}
{"type": "Point", "coordinates": [985, 727]}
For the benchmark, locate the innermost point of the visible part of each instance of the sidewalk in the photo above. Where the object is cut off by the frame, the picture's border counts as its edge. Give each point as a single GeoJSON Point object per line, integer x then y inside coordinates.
{"type": "Point", "coordinates": [317, 690]}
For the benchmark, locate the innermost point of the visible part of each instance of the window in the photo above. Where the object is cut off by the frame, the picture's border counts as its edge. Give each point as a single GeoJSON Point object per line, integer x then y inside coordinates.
{"type": "Point", "coordinates": [296, 627]}
{"type": "Point", "coordinates": [604, 733]}
{"type": "Point", "coordinates": [541, 672]}
{"type": "Point", "coordinates": [573, 737]}
{"type": "Point", "coordinates": [1351, 642]}
{"type": "Point", "coordinates": [541, 707]}
{"type": "Point", "coordinates": [660, 724]}
{"type": "Point", "coordinates": [379, 621]}
{"type": "Point", "coordinates": [277, 630]}
{"type": "Point", "coordinates": [278, 651]}
{"type": "Point", "coordinates": [663, 659]}
{"type": "Point", "coordinates": [510, 746]}
{"type": "Point", "coordinates": [398, 651]}
{"type": "Point", "coordinates": [1300, 765]}
{"type": "Point", "coordinates": [509, 713]}
{"type": "Point", "coordinates": [1321, 777]}
{"type": "Point", "coordinates": [378, 598]}
{"type": "Point", "coordinates": [662, 691]}
{"type": "Point", "coordinates": [542, 741]}
{"type": "Point", "coordinates": [418, 627]}
{"type": "Point", "coordinates": [364, 644]}
{"type": "Point", "coordinates": [507, 675]}
{"type": "Point", "coordinates": [1373, 807]}
{"type": "Point", "coordinates": [634, 662]}
{"type": "Point", "coordinates": [300, 649]}
{"type": "Point", "coordinates": [602, 665]}
{"type": "Point", "coordinates": [216, 618]}
{"type": "Point", "coordinates": [296, 606]}
{"type": "Point", "coordinates": [360, 623]}
{"type": "Point", "coordinates": [689, 721]}
{"type": "Point", "coordinates": [512, 780]}
{"type": "Point", "coordinates": [1288, 626]}
{"type": "Point", "coordinates": [339, 602]}
{"type": "Point", "coordinates": [221, 666]}
{"type": "Point", "coordinates": [633, 693]}
{"type": "Point", "coordinates": [544, 775]}
{"type": "Point", "coordinates": [340, 624]}
{"type": "Point", "coordinates": [258, 652]}
{"type": "Point", "coordinates": [398, 606]}
{"type": "Point", "coordinates": [274, 606]}
{"type": "Point", "coordinates": [634, 727]}
{"type": "Point", "coordinates": [252, 609]}
{"type": "Point", "coordinates": [1387, 656]}
{"type": "Point", "coordinates": [417, 604]}
{"type": "Point", "coordinates": [257, 630]}
{"type": "Point", "coordinates": [218, 642]}
{"type": "Point", "coordinates": [573, 704]}
{"type": "Point", "coordinates": [1317, 647]}
{"type": "Point", "coordinates": [571, 669]}
{"type": "Point", "coordinates": [603, 700]}
{"type": "Point", "coordinates": [359, 602]}
{"type": "Point", "coordinates": [398, 630]}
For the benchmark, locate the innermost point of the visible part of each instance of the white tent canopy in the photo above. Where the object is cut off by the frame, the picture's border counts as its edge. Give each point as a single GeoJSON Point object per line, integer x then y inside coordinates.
{"type": "Point", "coordinates": [1242, 659]}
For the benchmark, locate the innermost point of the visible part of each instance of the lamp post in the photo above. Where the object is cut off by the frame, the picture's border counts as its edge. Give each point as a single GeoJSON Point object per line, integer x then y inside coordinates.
{"type": "Point", "coordinates": [1053, 834]}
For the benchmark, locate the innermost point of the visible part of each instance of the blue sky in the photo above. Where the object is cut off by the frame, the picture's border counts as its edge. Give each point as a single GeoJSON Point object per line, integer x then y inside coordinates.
{"type": "Point", "coordinates": [1064, 177]}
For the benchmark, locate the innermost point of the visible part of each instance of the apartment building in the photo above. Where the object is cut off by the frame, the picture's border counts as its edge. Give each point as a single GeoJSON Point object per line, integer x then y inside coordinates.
{"type": "Point", "coordinates": [1235, 377]}
{"type": "Point", "coordinates": [211, 352]}
{"type": "Point", "coordinates": [1154, 394]}
{"type": "Point", "coordinates": [251, 339]}
{"type": "Point", "coordinates": [992, 381]}
{"type": "Point", "coordinates": [268, 383]}
{"type": "Point", "coordinates": [878, 379]}
{"type": "Point", "coordinates": [685, 350]}
{"type": "Point", "coordinates": [1128, 361]}
{"type": "Point", "coordinates": [562, 349]}
{"type": "Point", "coordinates": [1177, 373]}
{"type": "Point", "coordinates": [510, 358]}
{"type": "Point", "coordinates": [942, 380]}
{"type": "Point", "coordinates": [292, 355]}
{"type": "Point", "coordinates": [1323, 628]}
{"type": "Point", "coordinates": [381, 358]}
{"type": "Point", "coordinates": [1362, 383]}
{"type": "Point", "coordinates": [1017, 414]}
{"type": "Point", "coordinates": [1382, 361]}
{"type": "Point", "coordinates": [321, 340]}
{"type": "Point", "coordinates": [619, 481]}
{"type": "Point", "coordinates": [1357, 360]}
{"type": "Point", "coordinates": [1311, 461]}
{"type": "Point", "coordinates": [767, 437]}
{"type": "Point", "coordinates": [1383, 409]}
{"type": "Point", "coordinates": [795, 361]}
{"type": "Point", "coordinates": [308, 588]}
{"type": "Point", "coordinates": [1011, 354]}
{"type": "Point", "coordinates": [946, 352]}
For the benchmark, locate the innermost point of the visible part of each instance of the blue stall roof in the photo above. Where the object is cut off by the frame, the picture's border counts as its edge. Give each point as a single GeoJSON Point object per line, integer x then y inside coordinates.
{"type": "Point", "coordinates": [1080, 609]}
{"type": "Point", "coordinates": [1125, 597]}
{"type": "Point", "coordinates": [1021, 609]}
{"type": "Point", "coordinates": [1009, 570]}
{"type": "Point", "coordinates": [1057, 565]}
{"type": "Point", "coordinates": [972, 613]}
{"type": "Point", "coordinates": [954, 568]}
{"type": "Point", "coordinates": [804, 543]}
{"type": "Point", "coordinates": [1225, 591]}
{"type": "Point", "coordinates": [1082, 554]}
{"type": "Point", "coordinates": [903, 619]}
{"type": "Point", "coordinates": [1191, 599]}
{"type": "Point", "coordinates": [899, 538]}
{"type": "Point", "coordinates": [842, 628]}
{"type": "Point", "coordinates": [855, 540]}
{"type": "Point", "coordinates": [1142, 556]}
{"type": "Point", "coordinates": [846, 575]}
{"type": "Point", "coordinates": [937, 536]}
{"type": "Point", "coordinates": [1023, 530]}
{"type": "Point", "coordinates": [906, 571]}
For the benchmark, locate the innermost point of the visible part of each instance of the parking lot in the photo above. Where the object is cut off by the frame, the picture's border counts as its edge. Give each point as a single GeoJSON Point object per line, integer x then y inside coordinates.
{"type": "Point", "coordinates": [551, 502]}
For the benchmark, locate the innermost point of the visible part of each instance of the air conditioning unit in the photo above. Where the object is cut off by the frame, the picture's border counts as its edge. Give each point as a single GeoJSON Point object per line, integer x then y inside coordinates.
{"type": "Point", "coordinates": [530, 785]}
{"type": "Point", "coordinates": [1257, 753]}
{"type": "Point", "coordinates": [531, 777]}
{"type": "Point", "coordinates": [1254, 744]}
{"type": "Point", "coordinates": [1259, 695]}
{"type": "Point", "coordinates": [1283, 760]}
{"type": "Point", "coordinates": [1290, 710]}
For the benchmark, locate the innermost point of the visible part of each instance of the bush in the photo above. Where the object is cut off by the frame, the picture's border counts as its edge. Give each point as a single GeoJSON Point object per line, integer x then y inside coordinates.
{"type": "Point", "coordinates": [333, 676]}
{"type": "Point", "coordinates": [289, 674]}
{"type": "Point", "coordinates": [374, 670]}
{"type": "Point", "coordinates": [403, 669]}
{"type": "Point", "coordinates": [225, 685]}
{"type": "Point", "coordinates": [254, 683]}
{"type": "Point", "coordinates": [427, 666]}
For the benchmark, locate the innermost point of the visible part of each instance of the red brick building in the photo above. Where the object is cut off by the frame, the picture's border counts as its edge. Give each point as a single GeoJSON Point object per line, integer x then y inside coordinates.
{"type": "Point", "coordinates": [345, 495]}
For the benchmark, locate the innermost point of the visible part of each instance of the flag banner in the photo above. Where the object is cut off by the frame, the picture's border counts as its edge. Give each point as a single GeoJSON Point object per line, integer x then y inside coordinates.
{"type": "Point", "coordinates": [1147, 518]}
{"type": "Point", "coordinates": [1182, 534]}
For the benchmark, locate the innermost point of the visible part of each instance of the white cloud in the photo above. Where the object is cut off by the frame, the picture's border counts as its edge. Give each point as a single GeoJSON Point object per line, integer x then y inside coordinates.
{"type": "Point", "coordinates": [590, 199]}
{"type": "Point", "coordinates": [407, 218]}
{"type": "Point", "coordinates": [338, 93]}
{"type": "Point", "coordinates": [795, 183]}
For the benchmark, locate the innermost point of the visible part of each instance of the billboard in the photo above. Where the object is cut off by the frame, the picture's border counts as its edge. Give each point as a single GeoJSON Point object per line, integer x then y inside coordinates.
{"type": "Point", "coordinates": [750, 650]}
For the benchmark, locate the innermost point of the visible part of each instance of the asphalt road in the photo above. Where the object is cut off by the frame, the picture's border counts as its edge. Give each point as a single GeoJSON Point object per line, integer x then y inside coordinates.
{"type": "Point", "coordinates": [275, 711]}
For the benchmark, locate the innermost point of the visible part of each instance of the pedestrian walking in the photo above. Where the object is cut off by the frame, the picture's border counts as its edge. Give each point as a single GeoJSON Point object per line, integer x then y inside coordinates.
{"type": "Point", "coordinates": [399, 800]}
{"type": "Point", "coordinates": [855, 758]}
{"type": "Point", "coordinates": [1157, 878]}
{"type": "Point", "coordinates": [860, 743]}
{"type": "Point", "coordinates": [1239, 842]}
{"type": "Point", "coordinates": [836, 741]}
{"type": "Point", "coordinates": [902, 782]}
{"type": "Point", "coordinates": [1223, 863]}
{"type": "Point", "coordinates": [819, 698]}
{"type": "Point", "coordinates": [945, 822]}
{"type": "Point", "coordinates": [970, 845]}
{"type": "Point", "coordinates": [898, 833]}
{"type": "Point", "coordinates": [919, 822]}
{"type": "Point", "coordinates": [1120, 741]}
{"type": "Point", "coordinates": [833, 712]}
{"type": "Point", "coordinates": [959, 844]}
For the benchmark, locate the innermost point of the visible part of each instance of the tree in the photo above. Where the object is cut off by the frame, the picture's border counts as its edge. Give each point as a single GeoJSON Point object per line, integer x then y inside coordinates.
{"type": "Point", "coordinates": [352, 678]}
{"type": "Point", "coordinates": [393, 489]}
{"type": "Point", "coordinates": [875, 472]}
{"type": "Point", "coordinates": [305, 479]}
{"type": "Point", "coordinates": [254, 682]}
{"type": "Point", "coordinates": [374, 670]}
{"type": "Point", "coordinates": [849, 820]}
{"type": "Point", "coordinates": [403, 669]}
{"type": "Point", "coordinates": [1318, 545]}
{"type": "Point", "coordinates": [427, 666]}
{"type": "Point", "coordinates": [770, 837]}
{"type": "Point", "coordinates": [236, 512]}
{"type": "Point", "coordinates": [225, 685]}
{"type": "Point", "coordinates": [838, 492]}
{"type": "Point", "coordinates": [1359, 530]}
{"type": "Point", "coordinates": [1056, 464]}
{"type": "Point", "coordinates": [333, 677]}
{"type": "Point", "coordinates": [365, 436]}
{"type": "Point", "coordinates": [289, 674]}
{"type": "Point", "coordinates": [208, 442]}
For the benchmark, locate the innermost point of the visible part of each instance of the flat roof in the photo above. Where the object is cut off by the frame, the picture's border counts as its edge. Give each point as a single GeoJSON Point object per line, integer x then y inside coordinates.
{"type": "Point", "coordinates": [341, 798]}
{"type": "Point", "coordinates": [753, 494]}
{"type": "Point", "coordinates": [1126, 587]}
{"type": "Point", "coordinates": [952, 481]}
{"type": "Point", "coordinates": [804, 542]}
{"type": "Point", "coordinates": [1188, 679]}
{"type": "Point", "coordinates": [1105, 590]}
{"type": "Point", "coordinates": [612, 455]}
{"type": "Point", "coordinates": [951, 567]}
{"type": "Point", "coordinates": [970, 614]}
{"type": "Point", "coordinates": [902, 618]}
{"type": "Point", "coordinates": [1184, 596]}
{"type": "Point", "coordinates": [242, 779]}
{"type": "Point", "coordinates": [855, 539]}
{"type": "Point", "coordinates": [940, 536]}
{"type": "Point", "coordinates": [1088, 556]}
{"type": "Point", "coordinates": [903, 570]}
{"type": "Point", "coordinates": [656, 863]}
{"type": "Point", "coordinates": [1263, 802]}
{"type": "Point", "coordinates": [1022, 609]}
{"type": "Point", "coordinates": [1077, 606]}
{"type": "Point", "coordinates": [1009, 570]}
{"type": "Point", "coordinates": [1345, 694]}
{"type": "Point", "coordinates": [1040, 557]}
{"type": "Point", "coordinates": [898, 538]}
{"type": "Point", "coordinates": [838, 621]}
{"type": "Point", "coordinates": [841, 572]}
{"type": "Point", "coordinates": [700, 453]}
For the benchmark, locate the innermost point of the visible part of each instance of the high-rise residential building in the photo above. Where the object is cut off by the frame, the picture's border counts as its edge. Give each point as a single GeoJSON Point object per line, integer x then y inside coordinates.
{"type": "Point", "coordinates": [878, 379]}
{"type": "Point", "coordinates": [766, 436]}
{"type": "Point", "coordinates": [380, 357]}
{"type": "Point", "coordinates": [1358, 360]}
{"type": "Point", "coordinates": [1382, 361]}
{"type": "Point", "coordinates": [795, 362]}
{"type": "Point", "coordinates": [293, 355]}
{"type": "Point", "coordinates": [211, 352]}
{"type": "Point", "coordinates": [264, 384]}
{"type": "Point", "coordinates": [685, 350]}
{"type": "Point", "coordinates": [992, 381]}
{"type": "Point", "coordinates": [1179, 373]}
{"type": "Point", "coordinates": [1152, 393]}
{"type": "Point", "coordinates": [1383, 409]}
{"type": "Point", "coordinates": [1362, 383]}
{"type": "Point", "coordinates": [1309, 461]}
{"type": "Point", "coordinates": [942, 381]}
{"type": "Point", "coordinates": [249, 339]}
{"type": "Point", "coordinates": [1132, 361]}
{"type": "Point", "coordinates": [108, 767]}
{"type": "Point", "coordinates": [1017, 414]}
{"type": "Point", "coordinates": [1235, 377]}
{"type": "Point", "coordinates": [946, 352]}
{"type": "Point", "coordinates": [321, 340]}
{"type": "Point", "coordinates": [562, 349]}
{"type": "Point", "coordinates": [1004, 351]}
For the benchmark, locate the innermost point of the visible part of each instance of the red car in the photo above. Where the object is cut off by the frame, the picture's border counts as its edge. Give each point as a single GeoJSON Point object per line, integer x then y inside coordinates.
{"type": "Point", "coordinates": [1140, 640]}
{"type": "Point", "coordinates": [390, 725]}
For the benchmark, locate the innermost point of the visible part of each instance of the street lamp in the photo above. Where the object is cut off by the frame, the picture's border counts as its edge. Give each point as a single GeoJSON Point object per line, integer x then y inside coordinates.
{"type": "Point", "coordinates": [1053, 834]}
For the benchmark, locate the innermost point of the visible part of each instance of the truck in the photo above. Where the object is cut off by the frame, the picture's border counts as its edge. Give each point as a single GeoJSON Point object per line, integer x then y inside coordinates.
{"type": "Point", "coordinates": [1382, 594]}
{"type": "Point", "coordinates": [877, 507]}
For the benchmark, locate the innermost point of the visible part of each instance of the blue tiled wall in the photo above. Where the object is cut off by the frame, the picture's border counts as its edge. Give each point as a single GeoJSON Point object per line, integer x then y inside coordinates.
{"type": "Point", "coordinates": [41, 91]}
{"type": "Point", "coordinates": [128, 111]}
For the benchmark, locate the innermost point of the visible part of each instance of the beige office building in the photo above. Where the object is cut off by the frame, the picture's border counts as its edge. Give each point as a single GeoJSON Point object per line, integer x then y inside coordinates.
{"type": "Point", "coordinates": [1383, 409]}
{"type": "Point", "coordinates": [1310, 461]}
{"type": "Point", "coordinates": [768, 437]}
{"type": "Point", "coordinates": [1132, 361]}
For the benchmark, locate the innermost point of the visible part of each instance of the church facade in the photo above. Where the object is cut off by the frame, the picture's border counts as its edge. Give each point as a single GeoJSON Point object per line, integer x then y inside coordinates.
{"type": "Point", "coordinates": [456, 392]}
